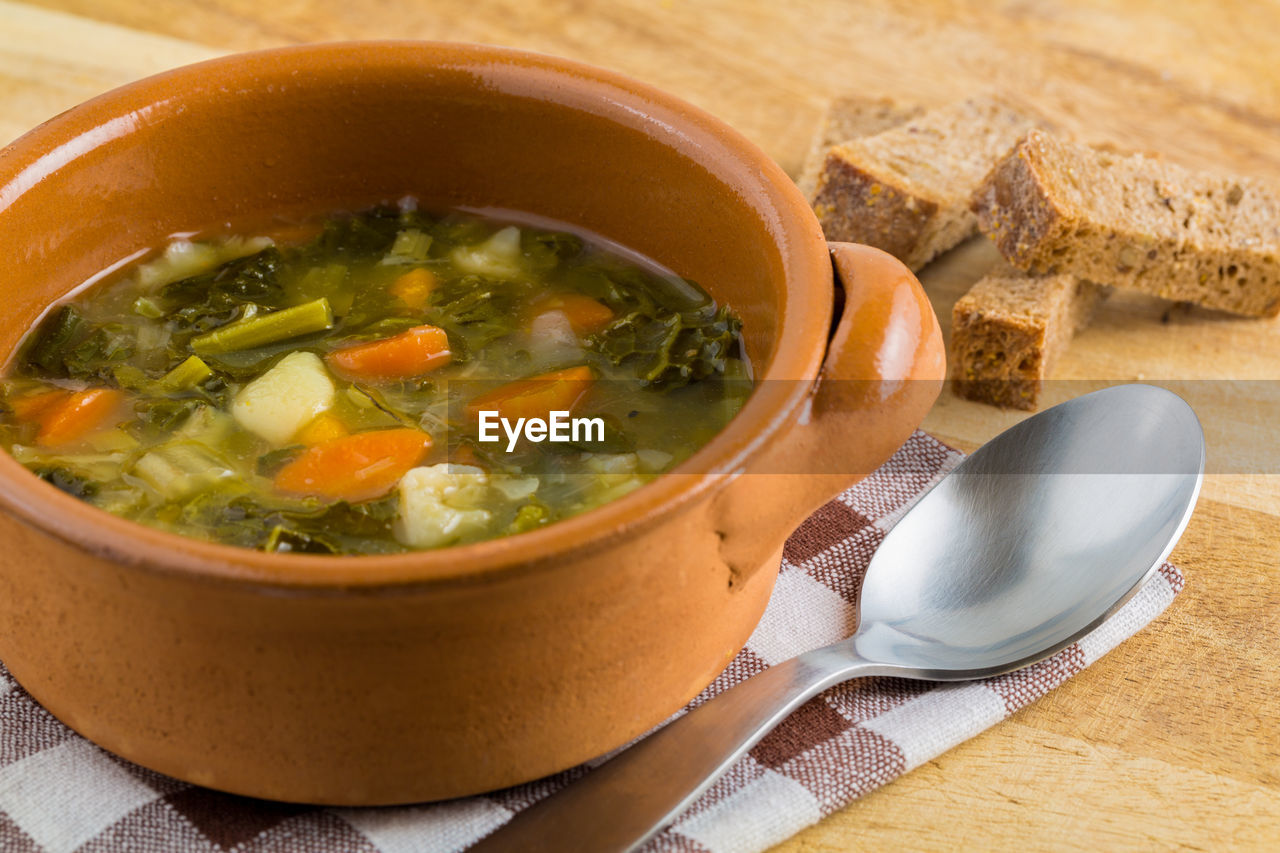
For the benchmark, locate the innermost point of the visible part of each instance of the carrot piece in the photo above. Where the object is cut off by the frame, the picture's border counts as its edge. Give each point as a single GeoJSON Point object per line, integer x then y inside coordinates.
{"type": "Point", "coordinates": [585, 314]}
{"type": "Point", "coordinates": [33, 407]}
{"type": "Point", "coordinates": [414, 287]}
{"type": "Point", "coordinates": [536, 397]}
{"type": "Point", "coordinates": [465, 454]}
{"type": "Point", "coordinates": [325, 427]}
{"type": "Point", "coordinates": [355, 467]}
{"type": "Point", "coordinates": [78, 415]}
{"type": "Point", "coordinates": [415, 352]}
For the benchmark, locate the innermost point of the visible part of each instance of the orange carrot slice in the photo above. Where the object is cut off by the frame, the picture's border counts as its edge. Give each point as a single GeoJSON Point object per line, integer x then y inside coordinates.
{"type": "Point", "coordinates": [77, 415]}
{"type": "Point", "coordinates": [324, 428]}
{"type": "Point", "coordinates": [33, 407]}
{"type": "Point", "coordinates": [536, 397]}
{"type": "Point", "coordinates": [414, 287]}
{"type": "Point", "coordinates": [585, 314]}
{"type": "Point", "coordinates": [356, 467]}
{"type": "Point", "coordinates": [415, 352]}
{"type": "Point", "coordinates": [465, 454]}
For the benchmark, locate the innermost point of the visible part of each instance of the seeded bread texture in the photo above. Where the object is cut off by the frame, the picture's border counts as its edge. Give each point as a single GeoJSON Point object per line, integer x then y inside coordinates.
{"type": "Point", "coordinates": [1009, 330]}
{"type": "Point", "coordinates": [907, 190]}
{"type": "Point", "coordinates": [850, 117]}
{"type": "Point", "coordinates": [1135, 221]}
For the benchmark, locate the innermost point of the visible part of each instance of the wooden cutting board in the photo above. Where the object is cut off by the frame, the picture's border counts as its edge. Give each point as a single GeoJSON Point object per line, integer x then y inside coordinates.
{"type": "Point", "coordinates": [1174, 738]}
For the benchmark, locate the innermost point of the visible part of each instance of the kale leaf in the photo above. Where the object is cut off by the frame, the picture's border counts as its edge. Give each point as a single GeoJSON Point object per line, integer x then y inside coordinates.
{"type": "Point", "coordinates": [475, 311]}
{"type": "Point", "coordinates": [53, 339]}
{"type": "Point", "coordinates": [366, 519]}
{"type": "Point", "coordinates": [372, 232]}
{"type": "Point", "coordinates": [68, 481]}
{"type": "Point", "coordinates": [547, 250]}
{"type": "Point", "coordinates": [283, 540]}
{"type": "Point", "coordinates": [68, 346]}
{"type": "Point", "coordinates": [306, 525]}
{"type": "Point", "coordinates": [668, 349]}
{"type": "Point", "coordinates": [206, 301]}
{"type": "Point", "coordinates": [159, 416]}
{"type": "Point", "coordinates": [667, 329]}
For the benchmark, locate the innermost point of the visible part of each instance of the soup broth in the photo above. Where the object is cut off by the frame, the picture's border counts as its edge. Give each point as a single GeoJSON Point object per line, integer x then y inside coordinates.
{"type": "Point", "coordinates": [381, 382]}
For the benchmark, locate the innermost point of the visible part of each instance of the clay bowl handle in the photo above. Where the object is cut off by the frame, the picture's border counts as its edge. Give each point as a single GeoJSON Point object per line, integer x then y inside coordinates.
{"type": "Point", "coordinates": [884, 367]}
{"type": "Point", "coordinates": [883, 370]}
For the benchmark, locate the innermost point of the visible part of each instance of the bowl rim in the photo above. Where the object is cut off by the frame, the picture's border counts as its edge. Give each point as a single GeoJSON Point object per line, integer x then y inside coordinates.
{"type": "Point", "coordinates": [779, 395]}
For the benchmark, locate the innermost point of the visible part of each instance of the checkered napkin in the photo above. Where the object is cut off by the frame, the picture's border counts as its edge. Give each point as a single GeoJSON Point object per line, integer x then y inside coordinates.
{"type": "Point", "coordinates": [60, 793]}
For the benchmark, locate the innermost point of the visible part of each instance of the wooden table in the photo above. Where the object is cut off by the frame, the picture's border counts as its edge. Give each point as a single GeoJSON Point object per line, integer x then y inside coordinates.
{"type": "Point", "coordinates": [1174, 738]}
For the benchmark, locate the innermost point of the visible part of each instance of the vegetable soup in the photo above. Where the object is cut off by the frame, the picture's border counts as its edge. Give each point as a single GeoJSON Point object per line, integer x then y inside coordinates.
{"type": "Point", "coordinates": [382, 382]}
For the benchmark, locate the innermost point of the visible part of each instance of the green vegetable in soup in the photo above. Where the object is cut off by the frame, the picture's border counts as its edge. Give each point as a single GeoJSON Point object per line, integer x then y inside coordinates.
{"type": "Point", "coordinates": [331, 396]}
{"type": "Point", "coordinates": [68, 347]}
{"type": "Point", "coordinates": [269, 328]}
{"type": "Point", "coordinates": [670, 349]}
{"type": "Point", "coordinates": [186, 375]}
{"type": "Point", "coordinates": [68, 481]}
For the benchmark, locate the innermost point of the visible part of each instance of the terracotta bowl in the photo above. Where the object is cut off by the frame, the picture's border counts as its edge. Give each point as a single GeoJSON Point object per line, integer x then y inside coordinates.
{"type": "Point", "coordinates": [367, 680]}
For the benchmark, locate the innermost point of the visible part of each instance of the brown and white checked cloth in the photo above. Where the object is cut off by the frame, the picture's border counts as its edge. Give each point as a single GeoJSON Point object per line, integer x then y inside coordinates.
{"type": "Point", "coordinates": [60, 793]}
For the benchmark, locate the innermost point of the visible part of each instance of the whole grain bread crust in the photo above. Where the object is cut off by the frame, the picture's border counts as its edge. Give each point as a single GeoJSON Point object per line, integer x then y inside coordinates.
{"type": "Point", "coordinates": [1135, 221]}
{"type": "Point", "coordinates": [907, 190]}
{"type": "Point", "coordinates": [1010, 329]}
{"type": "Point", "coordinates": [848, 117]}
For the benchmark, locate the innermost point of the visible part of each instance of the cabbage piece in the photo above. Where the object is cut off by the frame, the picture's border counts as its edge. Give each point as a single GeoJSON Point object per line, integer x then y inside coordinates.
{"type": "Point", "coordinates": [182, 468]}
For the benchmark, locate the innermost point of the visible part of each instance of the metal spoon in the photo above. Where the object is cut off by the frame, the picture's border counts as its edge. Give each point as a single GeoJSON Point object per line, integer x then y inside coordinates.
{"type": "Point", "coordinates": [1029, 544]}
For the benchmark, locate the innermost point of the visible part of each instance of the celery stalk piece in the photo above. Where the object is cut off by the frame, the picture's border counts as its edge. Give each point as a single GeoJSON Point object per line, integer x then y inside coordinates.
{"type": "Point", "coordinates": [411, 247]}
{"type": "Point", "coordinates": [187, 375]}
{"type": "Point", "coordinates": [263, 329]}
{"type": "Point", "coordinates": [145, 306]}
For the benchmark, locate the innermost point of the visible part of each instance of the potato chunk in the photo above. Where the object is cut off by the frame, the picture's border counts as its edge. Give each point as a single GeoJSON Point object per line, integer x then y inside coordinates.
{"type": "Point", "coordinates": [498, 257]}
{"type": "Point", "coordinates": [284, 399]}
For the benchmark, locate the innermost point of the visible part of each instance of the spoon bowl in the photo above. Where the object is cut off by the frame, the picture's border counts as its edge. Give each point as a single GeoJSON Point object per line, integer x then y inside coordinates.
{"type": "Point", "coordinates": [1025, 547]}
{"type": "Point", "coordinates": [1036, 538]}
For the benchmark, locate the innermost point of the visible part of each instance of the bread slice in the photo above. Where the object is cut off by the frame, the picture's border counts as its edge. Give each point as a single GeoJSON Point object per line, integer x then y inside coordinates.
{"type": "Point", "coordinates": [1135, 221]}
{"type": "Point", "coordinates": [1010, 328]}
{"type": "Point", "coordinates": [850, 117]}
{"type": "Point", "coordinates": [907, 190]}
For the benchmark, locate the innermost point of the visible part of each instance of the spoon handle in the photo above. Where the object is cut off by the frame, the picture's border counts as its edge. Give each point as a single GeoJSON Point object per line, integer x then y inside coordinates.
{"type": "Point", "coordinates": [624, 801]}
